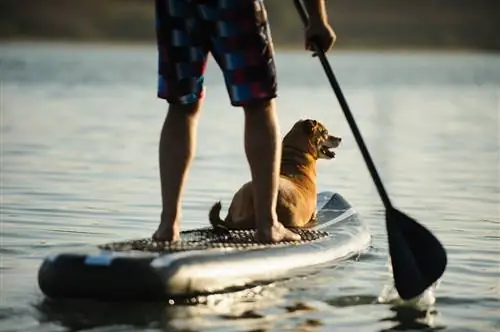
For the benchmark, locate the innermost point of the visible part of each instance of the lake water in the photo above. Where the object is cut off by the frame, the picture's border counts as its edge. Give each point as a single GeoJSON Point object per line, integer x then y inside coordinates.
{"type": "Point", "coordinates": [79, 132]}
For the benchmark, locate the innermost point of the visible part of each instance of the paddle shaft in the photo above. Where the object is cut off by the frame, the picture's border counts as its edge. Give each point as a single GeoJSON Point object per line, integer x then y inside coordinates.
{"type": "Point", "coordinates": [347, 112]}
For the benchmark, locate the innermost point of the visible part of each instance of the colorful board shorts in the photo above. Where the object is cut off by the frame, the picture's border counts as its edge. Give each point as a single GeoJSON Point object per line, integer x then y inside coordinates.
{"type": "Point", "coordinates": [235, 32]}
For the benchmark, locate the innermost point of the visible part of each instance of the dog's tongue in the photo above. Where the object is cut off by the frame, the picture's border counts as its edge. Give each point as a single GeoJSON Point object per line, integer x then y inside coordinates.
{"type": "Point", "coordinates": [327, 152]}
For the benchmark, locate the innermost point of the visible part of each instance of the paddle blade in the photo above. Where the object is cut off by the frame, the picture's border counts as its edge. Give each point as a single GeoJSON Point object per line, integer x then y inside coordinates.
{"type": "Point", "coordinates": [418, 258]}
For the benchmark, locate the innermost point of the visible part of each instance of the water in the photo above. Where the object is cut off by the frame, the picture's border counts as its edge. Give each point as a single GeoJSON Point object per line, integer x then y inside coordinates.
{"type": "Point", "coordinates": [79, 133]}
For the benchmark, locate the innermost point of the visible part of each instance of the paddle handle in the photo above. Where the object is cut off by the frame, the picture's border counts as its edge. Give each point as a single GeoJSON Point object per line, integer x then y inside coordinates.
{"type": "Point", "coordinates": [347, 112]}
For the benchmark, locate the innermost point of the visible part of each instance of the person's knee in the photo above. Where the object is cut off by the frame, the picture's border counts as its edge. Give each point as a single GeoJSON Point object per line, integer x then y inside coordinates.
{"type": "Point", "coordinates": [185, 111]}
{"type": "Point", "coordinates": [264, 108]}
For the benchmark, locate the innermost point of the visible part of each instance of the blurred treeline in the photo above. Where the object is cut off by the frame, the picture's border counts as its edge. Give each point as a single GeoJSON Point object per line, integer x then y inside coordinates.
{"type": "Point", "coordinates": [430, 24]}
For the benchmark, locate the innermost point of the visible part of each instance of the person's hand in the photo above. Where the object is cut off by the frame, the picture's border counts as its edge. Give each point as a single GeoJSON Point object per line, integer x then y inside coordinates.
{"type": "Point", "coordinates": [320, 34]}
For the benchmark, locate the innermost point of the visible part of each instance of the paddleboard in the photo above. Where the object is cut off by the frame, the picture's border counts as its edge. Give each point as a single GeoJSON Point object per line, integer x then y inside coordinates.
{"type": "Point", "coordinates": [205, 261]}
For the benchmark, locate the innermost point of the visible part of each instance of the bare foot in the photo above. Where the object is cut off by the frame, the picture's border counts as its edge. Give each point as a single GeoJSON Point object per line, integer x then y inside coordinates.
{"type": "Point", "coordinates": [276, 233]}
{"type": "Point", "coordinates": [167, 231]}
{"type": "Point", "coordinates": [166, 234]}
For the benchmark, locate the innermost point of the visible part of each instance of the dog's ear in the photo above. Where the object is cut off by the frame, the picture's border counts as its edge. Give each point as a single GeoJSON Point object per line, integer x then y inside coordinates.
{"type": "Point", "coordinates": [309, 125]}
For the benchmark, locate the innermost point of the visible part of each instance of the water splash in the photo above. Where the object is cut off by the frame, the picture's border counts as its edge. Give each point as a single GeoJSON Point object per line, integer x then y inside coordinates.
{"type": "Point", "coordinates": [389, 294]}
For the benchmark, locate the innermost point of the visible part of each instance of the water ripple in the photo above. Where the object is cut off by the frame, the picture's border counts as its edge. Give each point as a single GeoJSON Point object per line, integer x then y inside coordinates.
{"type": "Point", "coordinates": [79, 168]}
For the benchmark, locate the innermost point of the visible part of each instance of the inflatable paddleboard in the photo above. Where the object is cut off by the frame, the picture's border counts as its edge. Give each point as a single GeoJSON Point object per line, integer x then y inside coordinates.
{"type": "Point", "coordinates": [205, 261]}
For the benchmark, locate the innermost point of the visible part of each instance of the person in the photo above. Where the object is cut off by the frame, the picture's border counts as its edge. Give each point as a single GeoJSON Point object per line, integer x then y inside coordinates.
{"type": "Point", "coordinates": [237, 34]}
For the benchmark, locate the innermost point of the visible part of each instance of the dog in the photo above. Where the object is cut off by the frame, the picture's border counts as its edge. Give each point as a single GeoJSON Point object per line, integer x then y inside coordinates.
{"type": "Point", "coordinates": [306, 142]}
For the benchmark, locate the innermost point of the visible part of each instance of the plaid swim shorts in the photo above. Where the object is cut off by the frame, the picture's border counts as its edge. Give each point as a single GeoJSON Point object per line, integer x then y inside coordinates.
{"type": "Point", "coordinates": [235, 32]}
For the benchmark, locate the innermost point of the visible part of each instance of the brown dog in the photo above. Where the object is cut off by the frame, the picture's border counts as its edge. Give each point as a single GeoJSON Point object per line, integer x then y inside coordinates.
{"type": "Point", "coordinates": [306, 142]}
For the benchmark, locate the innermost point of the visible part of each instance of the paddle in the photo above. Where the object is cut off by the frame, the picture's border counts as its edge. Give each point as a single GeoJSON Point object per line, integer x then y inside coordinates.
{"type": "Point", "coordinates": [418, 258]}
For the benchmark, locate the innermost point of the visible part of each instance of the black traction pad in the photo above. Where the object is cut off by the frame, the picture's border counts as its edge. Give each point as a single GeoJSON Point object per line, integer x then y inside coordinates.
{"type": "Point", "coordinates": [209, 238]}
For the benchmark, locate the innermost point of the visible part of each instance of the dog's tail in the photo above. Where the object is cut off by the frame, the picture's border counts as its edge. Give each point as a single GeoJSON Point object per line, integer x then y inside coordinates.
{"type": "Point", "coordinates": [215, 220]}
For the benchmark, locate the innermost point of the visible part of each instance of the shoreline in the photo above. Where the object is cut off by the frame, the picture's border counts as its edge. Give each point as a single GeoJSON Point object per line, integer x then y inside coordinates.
{"type": "Point", "coordinates": [280, 47]}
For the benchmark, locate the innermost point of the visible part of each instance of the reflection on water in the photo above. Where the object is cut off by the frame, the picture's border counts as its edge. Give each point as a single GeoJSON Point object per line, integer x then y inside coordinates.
{"type": "Point", "coordinates": [246, 310]}
{"type": "Point", "coordinates": [411, 319]}
{"type": "Point", "coordinates": [79, 134]}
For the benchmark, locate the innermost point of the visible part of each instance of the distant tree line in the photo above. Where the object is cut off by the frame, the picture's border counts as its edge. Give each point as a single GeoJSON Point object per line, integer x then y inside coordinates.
{"type": "Point", "coordinates": [434, 24]}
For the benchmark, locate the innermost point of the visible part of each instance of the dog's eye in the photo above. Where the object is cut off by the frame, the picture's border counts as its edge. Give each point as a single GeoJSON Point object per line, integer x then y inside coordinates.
{"type": "Point", "coordinates": [324, 132]}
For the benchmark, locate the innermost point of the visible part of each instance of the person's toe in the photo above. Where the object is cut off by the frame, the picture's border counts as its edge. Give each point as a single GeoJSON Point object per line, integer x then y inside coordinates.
{"type": "Point", "coordinates": [291, 236]}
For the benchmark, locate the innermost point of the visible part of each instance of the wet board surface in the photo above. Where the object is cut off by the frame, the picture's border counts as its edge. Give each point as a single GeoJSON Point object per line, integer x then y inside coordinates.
{"type": "Point", "coordinates": [205, 261]}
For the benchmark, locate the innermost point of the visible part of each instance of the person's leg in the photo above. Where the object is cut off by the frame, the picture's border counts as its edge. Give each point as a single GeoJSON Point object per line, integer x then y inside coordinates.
{"type": "Point", "coordinates": [176, 151]}
{"type": "Point", "coordinates": [263, 151]}
{"type": "Point", "coordinates": [182, 54]}
{"type": "Point", "coordinates": [242, 47]}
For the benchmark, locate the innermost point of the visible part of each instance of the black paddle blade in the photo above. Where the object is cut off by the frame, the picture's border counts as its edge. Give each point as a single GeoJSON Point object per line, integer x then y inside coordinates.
{"type": "Point", "coordinates": [418, 258]}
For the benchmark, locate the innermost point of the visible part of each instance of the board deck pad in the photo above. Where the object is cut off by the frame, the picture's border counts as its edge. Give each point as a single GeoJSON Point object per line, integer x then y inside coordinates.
{"type": "Point", "coordinates": [207, 238]}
